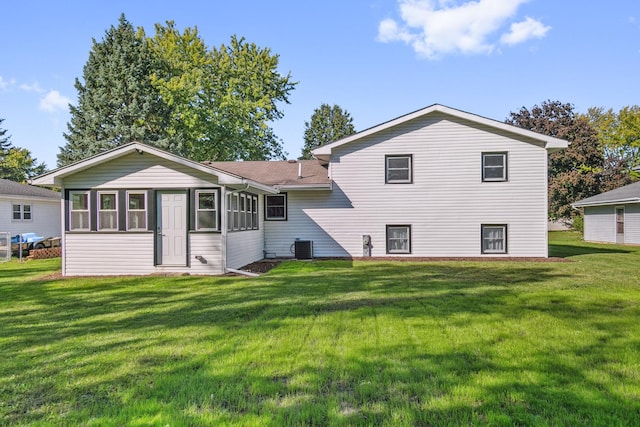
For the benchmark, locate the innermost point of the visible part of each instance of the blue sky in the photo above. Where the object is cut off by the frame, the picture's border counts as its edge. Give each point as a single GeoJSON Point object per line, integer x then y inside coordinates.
{"type": "Point", "coordinates": [378, 59]}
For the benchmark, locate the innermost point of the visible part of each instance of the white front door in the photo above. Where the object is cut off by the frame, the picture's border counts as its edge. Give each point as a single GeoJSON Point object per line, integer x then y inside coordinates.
{"type": "Point", "coordinates": [172, 228]}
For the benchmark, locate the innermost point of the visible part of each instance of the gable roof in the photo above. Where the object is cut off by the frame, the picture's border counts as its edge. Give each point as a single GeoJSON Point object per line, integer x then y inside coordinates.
{"type": "Point", "coordinates": [550, 143]}
{"type": "Point", "coordinates": [55, 177]}
{"type": "Point", "coordinates": [11, 188]}
{"type": "Point", "coordinates": [280, 174]}
{"type": "Point", "coordinates": [626, 194]}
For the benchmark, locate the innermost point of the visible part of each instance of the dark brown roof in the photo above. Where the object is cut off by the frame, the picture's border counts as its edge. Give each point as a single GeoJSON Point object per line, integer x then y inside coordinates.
{"type": "Point", "coordinates": [277, 173]}
{"type": "Point", "coordinates": [11, 188]}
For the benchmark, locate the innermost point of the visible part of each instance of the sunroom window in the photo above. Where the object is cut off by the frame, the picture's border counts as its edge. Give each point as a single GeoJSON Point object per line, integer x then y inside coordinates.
{"type": "Point", "coordinates": [136, 211]}
{"type": "Point", "coordinates": [206, 210]}
{"type": "Point", "coordinates": [79, 211]}
{"type": "Point", "coordinates": [107, 211]}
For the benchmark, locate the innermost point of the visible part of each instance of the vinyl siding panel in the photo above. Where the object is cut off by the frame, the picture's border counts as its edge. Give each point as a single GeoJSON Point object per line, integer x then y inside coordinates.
{"type": "Point", "coordinates": [244, 247]}
{"type": "Point", "coordinates": [445, 205]}
{"type": "Point", "coordinates": [140, 171]}
{"type": "Point", "coordinates": [100, 254]}
{"type": "Point", "coordinates": [600, 224]}
{"type": "Point", "coordinates": [632, 224]}
{"type": "Point", "coordinates": [45, 217]}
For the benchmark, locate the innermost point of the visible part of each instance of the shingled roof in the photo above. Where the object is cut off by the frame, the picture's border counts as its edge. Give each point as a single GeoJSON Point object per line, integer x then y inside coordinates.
{"type": "Point", "coordinates": [278, 173]}
{"type": "Point", "coordinates": [11, 188]}
{"type": "Point", "coordinates": [627, 194]}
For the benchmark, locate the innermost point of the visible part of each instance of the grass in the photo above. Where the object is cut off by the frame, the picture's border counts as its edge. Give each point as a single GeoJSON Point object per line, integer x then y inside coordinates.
{"type": "Point", "coordinates": [329, 343]}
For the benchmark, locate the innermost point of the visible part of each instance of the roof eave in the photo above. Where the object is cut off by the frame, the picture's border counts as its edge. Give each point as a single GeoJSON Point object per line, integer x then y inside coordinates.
{"type": "Point", "coordinates": [606, 202]}
{"type": "Point", "coordinates": [305, 187]}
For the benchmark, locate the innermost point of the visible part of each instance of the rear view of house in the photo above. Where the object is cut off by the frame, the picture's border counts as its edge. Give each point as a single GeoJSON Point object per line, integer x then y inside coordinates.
{"type": "Point", "coordinates": [437, 182]}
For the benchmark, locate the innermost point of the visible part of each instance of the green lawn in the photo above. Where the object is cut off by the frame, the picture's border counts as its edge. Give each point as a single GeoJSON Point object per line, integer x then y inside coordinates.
{"type": "Point", "coordinates": [329, 343]}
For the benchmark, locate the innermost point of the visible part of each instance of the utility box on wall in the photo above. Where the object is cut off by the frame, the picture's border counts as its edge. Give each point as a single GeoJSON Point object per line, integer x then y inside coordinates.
{"type": "Point", "coordinates": [303, 249]}
{"type": "Point", "coordinates": [366, 245]}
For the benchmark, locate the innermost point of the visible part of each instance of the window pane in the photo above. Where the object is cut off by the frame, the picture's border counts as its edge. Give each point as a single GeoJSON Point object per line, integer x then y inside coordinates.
{"type": "Point", "coordinates": [398, 162]}
{"type": "Point", "coordinates": [206, 201]}
{"type": "Point", "coordinates": [79, 221]}
{"type": "Point", "coordinates": [398, 175]}
{"type": "Point", "coordinates": [494, 160]}
{"type": "Point", "coordinates": [79, 201]}
{"type": "Point", "coordinates": [136, 201]}
{"type": "Point", "coordinates": [207, 220]}
{"type": "Point", "coordinates": [137, 220]}
{"type": "Point", "coordinates": [494, 172]}
{"type": "Point", "coordinates": [275, 212]}
{"type": "Point", "coordinates": [107, 201]}
{"type": "Point", "coordinates": [108, 220]}
{"type": "Point", "coordinates": [16, 212]}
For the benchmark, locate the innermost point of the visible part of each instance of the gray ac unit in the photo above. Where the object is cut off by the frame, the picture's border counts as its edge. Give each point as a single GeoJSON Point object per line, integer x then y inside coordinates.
{"type": "Point", "coordinates": [303, 249]}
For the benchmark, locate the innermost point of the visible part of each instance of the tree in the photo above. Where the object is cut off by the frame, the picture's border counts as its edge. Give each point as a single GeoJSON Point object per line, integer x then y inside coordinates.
{"type": "Point", "coordinates": [327, 124]}
{"type": "Point", "coordinates": [574, 173]}
{"type": "Point", "coordinates": [117, 103]}
{"type": "Point", "coordinates": [619, 135]}
{"type": "Point", "coordinates": [17, 164]}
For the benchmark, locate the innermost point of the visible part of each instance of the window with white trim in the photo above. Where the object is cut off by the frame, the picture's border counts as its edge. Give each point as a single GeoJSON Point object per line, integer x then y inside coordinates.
{"type": "Point", "coordinates": [247, 213]}
{"type": "Point", "coordinates": [398, 169]}
{"type": "Point", "coordinates": [398, 239]}
{"type": "Point", "coordinates": [494, 239]}
{"type": "Point", "coordinates": [136, 210]}
{"type": "Point", "coordinates": [206, 210]}
{"type": "Point", "coordinates": [107, 211]}
{"type": "Point", "coordinates": [275, 207]}
{"type": "Point", "coordinates": [494, 167]}
{"type": "Point", "coordinates": [254, 212]}
{"type": "Point", "coordinates": [243, 210]}
{"type": "Point", "coordinates": [21, 212]}
{"type": "Point", "coordinates": [79, 219]}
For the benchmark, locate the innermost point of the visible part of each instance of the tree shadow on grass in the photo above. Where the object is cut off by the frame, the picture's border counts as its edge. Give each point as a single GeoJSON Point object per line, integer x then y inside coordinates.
{"type": "Point", "coordinates": [568, 251]}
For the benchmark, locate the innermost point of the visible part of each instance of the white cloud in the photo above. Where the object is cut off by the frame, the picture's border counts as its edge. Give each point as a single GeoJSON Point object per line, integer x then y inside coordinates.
{"type": "Point", "coordinates": [438, 27]}
{"type": "Point", "coordinates": [33, 87]}
{"type": "Point", "coordinates": [4, 84]}
{"type": "Point", "coordinates": [523, 31]}
{"type": "Point", "coordinates": [54, 101]}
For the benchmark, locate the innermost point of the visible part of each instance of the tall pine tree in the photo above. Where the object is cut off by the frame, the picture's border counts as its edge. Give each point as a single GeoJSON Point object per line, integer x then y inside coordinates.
{"type": "Point", "coordinates": [16, 164]}
{"type": "Point", "coordinates": [117, 103]}
{"type": "Point", "coordinates": [327, 124]}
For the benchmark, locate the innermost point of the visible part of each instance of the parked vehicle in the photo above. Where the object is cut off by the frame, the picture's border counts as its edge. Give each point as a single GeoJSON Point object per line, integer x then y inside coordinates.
{"type": "Point", "coordinates": [28, 241]}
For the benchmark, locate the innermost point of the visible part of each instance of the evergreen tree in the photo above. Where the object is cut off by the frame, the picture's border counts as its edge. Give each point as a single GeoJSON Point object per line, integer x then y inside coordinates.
{"type": "Point", "coordinates": [574, 173]}
{"type": "Point", "coordinates": [327, 124]}
{"type": "Point", "coordinates": [5, 140]}
{"type": "Point", "coordinates": [117, 103]}
{"type": "Point", "coordinates": [16, 164]}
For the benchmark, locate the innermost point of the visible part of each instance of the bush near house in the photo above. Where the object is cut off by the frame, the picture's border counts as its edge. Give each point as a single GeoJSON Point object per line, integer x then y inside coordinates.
{"type": "Point", "coordinates": [329, 343]}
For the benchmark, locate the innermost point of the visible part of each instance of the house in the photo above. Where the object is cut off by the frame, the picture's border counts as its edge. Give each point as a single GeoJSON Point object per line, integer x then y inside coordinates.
{"type": "Point", "coordinates": [437, 182]}
{"type": "Point", "coordinates": [29, 209]}
{"type": "Point", "coordinates": [614, 216]}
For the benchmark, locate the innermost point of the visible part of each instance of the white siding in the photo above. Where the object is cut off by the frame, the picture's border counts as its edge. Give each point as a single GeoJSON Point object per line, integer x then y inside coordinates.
{"type": "Point", "coordinates": [600, 224]}
{"type": "Point", "coordinates": [445, 205]}
{"type": "Point", "coordinates": [632, 224]}
{"type": "Point", "coordinates": [45, 214]}
{"type": "Point", "coordinates": [139, 171]}
{"type": "Point", "coordinates": [133, 254]}
{"type": "Point", "coordinates": [244, 247]}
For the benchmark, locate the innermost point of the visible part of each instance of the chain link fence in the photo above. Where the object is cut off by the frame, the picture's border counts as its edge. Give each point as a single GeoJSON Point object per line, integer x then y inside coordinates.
{"type": "Point", "coordinates": [5, 246]}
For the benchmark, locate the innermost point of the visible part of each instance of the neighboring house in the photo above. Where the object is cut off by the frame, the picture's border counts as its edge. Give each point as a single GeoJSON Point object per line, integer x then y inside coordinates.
{"type": "Point", "coordinates": [614, 216]}
{"type": "Point", "coordinates": [28, 209]}
{"type": "Point", "coordinates": [438, 182]}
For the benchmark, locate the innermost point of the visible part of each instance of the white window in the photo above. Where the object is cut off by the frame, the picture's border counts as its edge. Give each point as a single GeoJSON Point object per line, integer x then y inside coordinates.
{"type": "Point", "coordinates": [276, 207]}
{"type": "Point", "coordinates": [399, 169]}
{"type": "Point", "coordinates": [494, 166]}
{"type": "Point", "coordinates": [494, 239]}
{"type": "Point", "coordinates": [79, 211]}
{"type": "Point", "coordinates": [247, 213]}
{"type": "Point", "coordinates": [398, 239]}
{"type": "Point", "coordinates": [206, 210]}
{"type": "Point", "coordinates": [21, 212]}
{"type": "Point", "coordinates": [136, 211]}
{"type": "Point", "coordinates": [107, 211]}
{"type": "Point", "coordinates": [235, 206]}
{"type": "Point", "coordinates": [243, 212]}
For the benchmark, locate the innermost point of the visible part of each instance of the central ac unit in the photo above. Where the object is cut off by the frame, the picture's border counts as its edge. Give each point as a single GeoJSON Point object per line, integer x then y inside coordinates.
{"type": "Point", "coordinates": [303, 249]}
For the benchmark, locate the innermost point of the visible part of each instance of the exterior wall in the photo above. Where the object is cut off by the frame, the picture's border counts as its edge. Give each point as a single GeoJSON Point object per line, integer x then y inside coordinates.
{"type": "Point", "coordinates": [132, 254]}
{"type": "Point", "coordinates": [45, 214]}
{"type": "Point", "coordinates": [600, 223]}
{"type": "Point", "coordinates": [139, 171]}
{"type": "Point", "coordinates": [445, 205]}
{"type": "Point", "coordinates": [244, 247]}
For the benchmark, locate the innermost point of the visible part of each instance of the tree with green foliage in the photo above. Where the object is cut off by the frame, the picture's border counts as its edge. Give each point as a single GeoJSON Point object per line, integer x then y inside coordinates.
{"type": "Point", "coordinates": [619, 135]}
{"type": "Point", "coordinates": [117, 103]}
{"type": "Point", "coordinates": [328, 124]}
{"type": "Point", "coordinates": [17, 164]}
{"type": "Point", "coordinates": [574, 173]}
